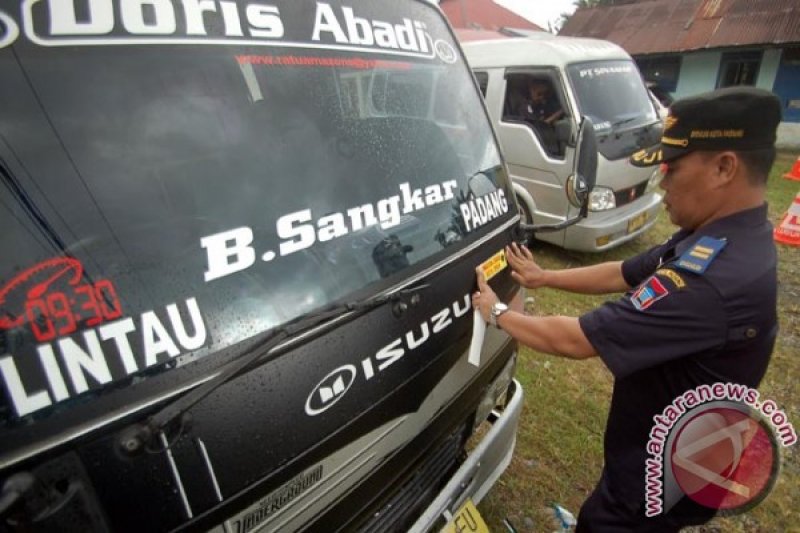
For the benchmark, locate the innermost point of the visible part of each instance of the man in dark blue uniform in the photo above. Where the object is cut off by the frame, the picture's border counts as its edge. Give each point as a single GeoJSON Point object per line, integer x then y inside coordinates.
{"type": "Point", "coordinates": [699, 309]}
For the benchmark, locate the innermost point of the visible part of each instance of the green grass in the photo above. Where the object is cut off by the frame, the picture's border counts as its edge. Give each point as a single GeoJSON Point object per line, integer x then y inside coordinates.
{"type": "Point", "coordinates": [558, 455]}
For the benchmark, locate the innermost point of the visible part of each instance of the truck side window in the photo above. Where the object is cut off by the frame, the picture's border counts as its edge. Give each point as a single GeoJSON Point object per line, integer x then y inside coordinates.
{"type": "Point", "coordinates": [535, 101]}
{"type": "Point", "coordinates": [483, 80]}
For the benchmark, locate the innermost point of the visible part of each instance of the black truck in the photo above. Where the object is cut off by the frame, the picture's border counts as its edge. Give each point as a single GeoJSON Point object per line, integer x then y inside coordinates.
{"type": "Point", "coordinates": [238, 244]}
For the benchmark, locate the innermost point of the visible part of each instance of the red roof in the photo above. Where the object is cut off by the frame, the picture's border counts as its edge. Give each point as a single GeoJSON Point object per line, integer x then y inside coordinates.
{"type": "Point", "coordinates": [659, 26]}
{"type": "Point", "coordinates": [483, 14]}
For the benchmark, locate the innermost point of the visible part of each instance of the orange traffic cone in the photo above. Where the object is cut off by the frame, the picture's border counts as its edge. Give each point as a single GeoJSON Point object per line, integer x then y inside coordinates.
{"type": "Point", "coordinates": [794, 174]}
{"type": "Point", "coordinates": [789, 230]}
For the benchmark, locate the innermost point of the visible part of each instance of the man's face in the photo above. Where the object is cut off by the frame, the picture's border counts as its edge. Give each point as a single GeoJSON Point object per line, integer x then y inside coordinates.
{"type": "Point", "coordinates": [688, 198]}
{"type": "Point", "coordinates": [538, 92]}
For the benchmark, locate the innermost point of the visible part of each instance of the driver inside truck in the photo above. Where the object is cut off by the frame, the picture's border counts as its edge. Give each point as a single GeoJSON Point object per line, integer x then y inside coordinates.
{"type": "Point", "coordinates": [540, 103]}
{"type": "Point", "coordinates": [534, 102]}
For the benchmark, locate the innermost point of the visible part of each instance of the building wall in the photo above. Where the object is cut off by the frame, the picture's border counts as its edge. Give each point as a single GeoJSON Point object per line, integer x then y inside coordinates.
{"type": "Point", "coordinates": [770, 63]}
{"type": "Point", "coordinates": [789, 136]}
{"type": "Point", "coordinates": [700, 70]}
{"type": "Point", "coordinates": [698, 73]}
{"type": "Point", "coordinates": [787, 87]}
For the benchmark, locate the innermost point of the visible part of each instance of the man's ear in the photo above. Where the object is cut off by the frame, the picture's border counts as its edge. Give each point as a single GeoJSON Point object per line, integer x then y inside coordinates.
{"type": "Point", "coordinates": [725, 167]}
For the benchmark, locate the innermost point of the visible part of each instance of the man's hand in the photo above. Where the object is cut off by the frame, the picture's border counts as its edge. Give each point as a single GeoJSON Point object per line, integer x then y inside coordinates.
{"type": "Point", "coordinates": [555, 116]}
{"type": "Point", "coordinates": [559, 335]}
{"type": "Point", "coordinates": [485, 298]}
{"type": "Point", "coordinates": [525, 271]}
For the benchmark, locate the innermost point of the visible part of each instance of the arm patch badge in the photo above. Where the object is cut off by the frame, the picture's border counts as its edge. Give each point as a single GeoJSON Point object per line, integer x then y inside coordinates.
{"type": "Point", "coordinates": [648, 293]}
{"type": "Point", "coordinates": [673, 276]}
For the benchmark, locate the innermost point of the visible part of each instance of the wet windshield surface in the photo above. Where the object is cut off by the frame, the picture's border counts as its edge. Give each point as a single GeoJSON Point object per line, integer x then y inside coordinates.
{"type": "Point", "coordinates": [166, 202]}
{"type": "Point", "coordinates": [612, 94]}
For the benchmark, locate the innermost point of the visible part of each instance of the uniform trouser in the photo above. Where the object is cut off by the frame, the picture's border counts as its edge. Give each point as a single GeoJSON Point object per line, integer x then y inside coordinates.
{"type": "Point", "coordinates": [602, 512]}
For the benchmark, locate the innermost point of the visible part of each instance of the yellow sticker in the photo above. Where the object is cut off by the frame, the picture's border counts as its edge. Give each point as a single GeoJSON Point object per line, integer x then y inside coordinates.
{"type": "Point", "coordinates": [492, 266]}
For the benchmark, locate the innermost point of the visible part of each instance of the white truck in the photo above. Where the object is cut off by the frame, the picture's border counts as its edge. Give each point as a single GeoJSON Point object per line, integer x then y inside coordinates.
{"type": "Point", "coordinates": [586, 78]}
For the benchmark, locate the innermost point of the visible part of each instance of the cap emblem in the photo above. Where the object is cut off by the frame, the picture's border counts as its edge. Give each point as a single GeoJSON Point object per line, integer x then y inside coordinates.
{"type": "Point", "coordinates": [675, 142]}
{"type": "Point", "coordinates": [669, 122]}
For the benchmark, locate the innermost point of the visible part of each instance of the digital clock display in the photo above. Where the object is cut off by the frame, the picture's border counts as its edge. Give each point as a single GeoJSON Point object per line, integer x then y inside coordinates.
{"type": "Point", "coordinates": [55, 298]}
{"type": "Point", "coordinates": [61, 313]}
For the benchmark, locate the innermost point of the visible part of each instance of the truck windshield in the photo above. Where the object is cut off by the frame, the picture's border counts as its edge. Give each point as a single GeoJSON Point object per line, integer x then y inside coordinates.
{"type": "Point", "coordinates": [612, 94]}
{"type": "Point", "coordinates": [164, 200]}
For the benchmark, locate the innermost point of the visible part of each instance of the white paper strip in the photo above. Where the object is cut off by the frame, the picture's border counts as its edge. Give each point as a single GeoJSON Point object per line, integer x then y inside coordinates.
{"type": "Point", "coordinates": [478, 332]}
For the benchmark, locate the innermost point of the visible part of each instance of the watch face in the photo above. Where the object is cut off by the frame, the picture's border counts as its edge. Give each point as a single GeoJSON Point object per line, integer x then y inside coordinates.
{"type": "Point", "coordinates": [497, 309]}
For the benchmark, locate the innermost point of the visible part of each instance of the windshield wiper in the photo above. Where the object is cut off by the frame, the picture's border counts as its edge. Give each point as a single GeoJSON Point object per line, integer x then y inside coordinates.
{"type": "Point", "coordinates": [622, 122]}
{"type": "Point", "coordinates": [643, 136]}
{"type": "Point", "coordinates": [139, 436]}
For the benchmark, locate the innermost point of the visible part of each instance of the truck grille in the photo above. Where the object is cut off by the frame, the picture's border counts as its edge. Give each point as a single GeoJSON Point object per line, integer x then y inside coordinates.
{"type": "Point", "coordinates": [626, 196]}
{"type": "Point", "coordinates": [401, 509]}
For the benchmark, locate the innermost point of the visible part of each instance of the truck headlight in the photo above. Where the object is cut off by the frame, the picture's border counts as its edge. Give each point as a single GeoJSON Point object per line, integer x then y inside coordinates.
{"type": "Point", "coordinates": [655, 179]}
{"type": "Point", "coordinates": [602, 199]}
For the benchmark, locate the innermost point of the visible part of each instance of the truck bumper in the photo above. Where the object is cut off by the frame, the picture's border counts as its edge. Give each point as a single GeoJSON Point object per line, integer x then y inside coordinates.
{"type": "Point", "coordinates": [484, 465]}
{"type": "Point", "coordinates": [608, 229]}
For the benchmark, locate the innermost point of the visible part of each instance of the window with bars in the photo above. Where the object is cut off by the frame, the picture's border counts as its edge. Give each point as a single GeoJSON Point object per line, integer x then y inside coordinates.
{"type": "Point", "coordinates": [739, 68]}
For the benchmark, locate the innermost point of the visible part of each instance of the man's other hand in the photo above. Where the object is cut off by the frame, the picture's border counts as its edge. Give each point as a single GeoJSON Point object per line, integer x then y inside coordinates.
{"type": "Point", "coordinates": [524, 269]}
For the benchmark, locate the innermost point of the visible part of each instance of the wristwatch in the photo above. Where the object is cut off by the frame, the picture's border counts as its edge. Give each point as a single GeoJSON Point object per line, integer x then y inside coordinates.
{"type": "Point", "coordinates": [497, 309]}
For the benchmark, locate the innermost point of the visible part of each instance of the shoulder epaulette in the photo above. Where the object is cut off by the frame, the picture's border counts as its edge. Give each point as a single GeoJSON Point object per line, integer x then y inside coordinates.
{"type": "Point", "coordinates": [697, 258]}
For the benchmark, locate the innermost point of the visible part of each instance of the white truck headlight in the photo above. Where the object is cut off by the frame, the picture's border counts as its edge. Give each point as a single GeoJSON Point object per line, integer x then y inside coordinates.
{"type": "Point", "coordinates": [654, 180]}
{"type": "Point", "coordinates": [602, 199]}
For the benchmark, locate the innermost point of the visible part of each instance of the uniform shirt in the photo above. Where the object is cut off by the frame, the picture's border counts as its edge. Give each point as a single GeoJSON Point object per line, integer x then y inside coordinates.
{"type": "Point", "coordinates": [678, 329]}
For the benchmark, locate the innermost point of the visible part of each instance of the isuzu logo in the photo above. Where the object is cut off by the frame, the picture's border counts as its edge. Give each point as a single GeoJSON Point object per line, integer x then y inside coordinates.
{"type": "Point", "coordinates": [445, 51]}
{"type": "Point", "coordinates": [330, 390]}
{"type": "Point", "coordinates": [336, 384]}
{"type": "Point", "coordinates": [8, 30]}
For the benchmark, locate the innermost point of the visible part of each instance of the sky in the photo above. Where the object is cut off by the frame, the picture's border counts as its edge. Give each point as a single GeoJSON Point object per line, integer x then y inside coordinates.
{"type": "Point", "coordinates": [539, 11]}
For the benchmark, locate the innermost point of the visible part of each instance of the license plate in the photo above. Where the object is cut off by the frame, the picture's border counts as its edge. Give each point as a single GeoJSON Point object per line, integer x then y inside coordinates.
{"type": "Point", "coordinates": [466, 520]}
{"type": "Point", "coordinates": [637, 222]}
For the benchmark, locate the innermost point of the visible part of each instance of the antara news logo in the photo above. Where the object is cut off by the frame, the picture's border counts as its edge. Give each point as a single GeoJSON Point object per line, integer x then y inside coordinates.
{"type": "Point", "coordinates": [717, 444]}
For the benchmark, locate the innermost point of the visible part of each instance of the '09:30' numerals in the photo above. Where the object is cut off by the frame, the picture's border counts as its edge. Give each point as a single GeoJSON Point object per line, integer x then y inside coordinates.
{"type": "Point", "coordinates": [57, 314]}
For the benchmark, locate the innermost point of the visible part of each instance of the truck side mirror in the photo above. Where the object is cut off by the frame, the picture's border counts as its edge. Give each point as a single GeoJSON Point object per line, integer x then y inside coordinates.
{"type": "Point", "coordinates": [581, 182]}
{"type": "Point", "coordinates": [584, 174]}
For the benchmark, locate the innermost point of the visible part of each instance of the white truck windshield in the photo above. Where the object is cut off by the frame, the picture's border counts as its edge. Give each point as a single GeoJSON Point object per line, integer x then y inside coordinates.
{"type": "Point", "coordinates": [612, 94]}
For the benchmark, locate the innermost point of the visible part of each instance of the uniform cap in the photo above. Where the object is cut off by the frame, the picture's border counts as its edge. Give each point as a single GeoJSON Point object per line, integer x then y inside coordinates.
{"type": "Point", "coordinates": [734, 118]}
